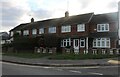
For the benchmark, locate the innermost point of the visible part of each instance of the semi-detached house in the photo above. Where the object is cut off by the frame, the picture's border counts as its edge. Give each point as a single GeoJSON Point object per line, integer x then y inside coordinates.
{"type": "Point", "coordinates": [82, 32]}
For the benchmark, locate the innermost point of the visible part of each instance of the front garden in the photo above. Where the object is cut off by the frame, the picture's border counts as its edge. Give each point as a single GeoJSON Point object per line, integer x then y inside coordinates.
{"type": "Point", "coordinates": [61, 56]}
{"type": "Point", "coordinates": [49, 46]}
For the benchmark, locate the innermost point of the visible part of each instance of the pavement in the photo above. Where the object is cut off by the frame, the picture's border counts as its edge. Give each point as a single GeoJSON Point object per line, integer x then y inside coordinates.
{"type": "Point", "coordinates": [62, 63]}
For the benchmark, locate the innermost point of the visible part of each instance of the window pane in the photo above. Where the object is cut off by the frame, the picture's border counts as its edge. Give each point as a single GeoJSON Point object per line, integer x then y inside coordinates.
{"type": "Point", "coordinates": [108, 44]}
{"type": "Point", "coordinates": [98, 43]}
{"type": "Point", "coordinates": [82, 42]}
{"type": "Point", "coordinates": [52, 29]}
{"type": "Point", "coordinates": [80, 27]}
{"type": "Point", "coordinates": [76, 43]}
{"type": "Point", "coordinates": [99, 27]}
{"type": "Point", "coordinates": [41, 30]}
{"type": "Point", "coordinates": [34, 31]}
{"type": "Point", "coordinates": [94, 44]}
{"type": "Point", "coordinates": [66, 29]}
{"type": "Point", "coordinates": [103, 43]}
{"type": "Point", "coordinates": [103, 27]}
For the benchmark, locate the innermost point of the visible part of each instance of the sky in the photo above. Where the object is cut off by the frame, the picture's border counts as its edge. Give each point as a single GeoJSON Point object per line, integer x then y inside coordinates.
{"type": "Point", "coordinates": [15, 12]}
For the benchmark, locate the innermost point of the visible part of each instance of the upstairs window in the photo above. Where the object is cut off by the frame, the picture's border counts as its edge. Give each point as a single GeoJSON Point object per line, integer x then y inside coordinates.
{"type": "Point", "coordinates": [52, 30]}
{"type": "Point", "coordinates": [34, 31]}
{"type": "Point", "coordinates": [66, 29]}
{"type": "Point", "coordinates": [26, 32]}
{"type": "Point", "coordinates": [80, 27]}
{"type": "Point", "coordinates": [19, 32]}
{"type": "Point", "coordinates": [102, 27]}
{"type": "Point", "coordinates": [41, 30]}
{"type": "Point", "coordinates": [11, 33]}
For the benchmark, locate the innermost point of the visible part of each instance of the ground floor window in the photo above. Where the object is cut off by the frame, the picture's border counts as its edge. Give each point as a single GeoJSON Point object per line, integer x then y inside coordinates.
{"type": "Point", "coordinates": [82, 42]}
{"type": "Point", "coordinates": [66, 42]}
{"type": "Point", "coordinates": [101, 42]}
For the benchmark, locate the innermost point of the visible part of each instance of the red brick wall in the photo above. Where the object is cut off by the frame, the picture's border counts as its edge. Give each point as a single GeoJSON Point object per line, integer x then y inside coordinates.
{"type": "Point", "coordinates": [74, 31]}
{"type": "Point", "coordinates": [113, 43]}
{"type": "Point", "coordinates": [112, 27]}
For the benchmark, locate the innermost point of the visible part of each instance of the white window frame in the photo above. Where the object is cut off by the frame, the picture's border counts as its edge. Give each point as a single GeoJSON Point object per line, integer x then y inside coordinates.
{"type": "Point", "coordinates": [34, 31]}
{"type": "Point", "coordinates": [66, 41]}
{"type": "Point", "coordinates": [80, 27]}
{"type": "Point", "coordinates": [101, 42]}
{"type": "Point", "coordinates": [102, 27]}
{"type": "Point", "coordinates": [19, 32]}
{"type": "Point", "coordinates": [41, 31]}
{"type": "Point", "coordinates": [26, 32]}
{"type": "Point", "coordinates": [52, 30]}
{"type": "Point", "coordinates": [82, 40]}
{"type": "Point", "coordinates": [66, 28]}
{"type": "Point", "coordinates": [11, 33]}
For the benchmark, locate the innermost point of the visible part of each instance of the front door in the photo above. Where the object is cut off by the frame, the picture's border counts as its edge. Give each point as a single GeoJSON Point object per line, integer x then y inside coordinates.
{"type": "Point", "coordinates": [76, 45]}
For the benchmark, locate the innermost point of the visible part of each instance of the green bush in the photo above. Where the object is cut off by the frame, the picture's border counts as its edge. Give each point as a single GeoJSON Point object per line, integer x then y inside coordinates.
{"type": "Point", "coordinates": [21, 43]}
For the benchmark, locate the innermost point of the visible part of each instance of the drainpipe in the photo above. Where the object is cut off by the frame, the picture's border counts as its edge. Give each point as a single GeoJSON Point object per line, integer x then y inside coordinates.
{"type": "Point", "coordinates": [86, 44]}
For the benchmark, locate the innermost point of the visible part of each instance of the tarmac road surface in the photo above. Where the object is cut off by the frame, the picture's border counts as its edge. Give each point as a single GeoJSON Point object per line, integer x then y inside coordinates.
{"type": "Point", "coordinates": [18, 69]}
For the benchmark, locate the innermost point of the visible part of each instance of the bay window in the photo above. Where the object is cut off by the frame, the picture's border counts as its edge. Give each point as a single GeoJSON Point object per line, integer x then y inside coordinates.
{"type": "Point", "coordinates": [101, 42]}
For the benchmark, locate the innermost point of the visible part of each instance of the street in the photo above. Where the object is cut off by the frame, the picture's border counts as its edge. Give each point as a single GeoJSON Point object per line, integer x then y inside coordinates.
{"type": "Point", "coordinates": [17, 69]}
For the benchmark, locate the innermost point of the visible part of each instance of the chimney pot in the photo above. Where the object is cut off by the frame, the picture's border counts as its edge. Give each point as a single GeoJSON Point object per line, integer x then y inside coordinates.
{"type": "Point", "coordinates": [66, 14]}
{"type": "Point", "coordinates": [32, 19]}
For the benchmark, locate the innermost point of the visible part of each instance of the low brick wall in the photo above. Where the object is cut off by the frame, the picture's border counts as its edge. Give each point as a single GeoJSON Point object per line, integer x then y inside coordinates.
{"type": "Point", "coordinates": [92, 51]}
{"type": "Point", "coordinates": [45, 50]}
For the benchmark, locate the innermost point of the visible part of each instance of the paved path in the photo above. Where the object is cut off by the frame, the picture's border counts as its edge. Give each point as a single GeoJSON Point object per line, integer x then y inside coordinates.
{"type": "Point", "coordinates": [46, 62]}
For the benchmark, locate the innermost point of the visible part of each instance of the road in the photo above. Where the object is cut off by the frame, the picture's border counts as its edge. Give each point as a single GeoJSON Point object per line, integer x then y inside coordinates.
{"type": "Point", "coordinates": [17, 69]}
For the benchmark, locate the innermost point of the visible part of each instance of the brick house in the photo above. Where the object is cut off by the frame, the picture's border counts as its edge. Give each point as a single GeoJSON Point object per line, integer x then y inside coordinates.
{"type": "Point", "coordinates": [81, 32]}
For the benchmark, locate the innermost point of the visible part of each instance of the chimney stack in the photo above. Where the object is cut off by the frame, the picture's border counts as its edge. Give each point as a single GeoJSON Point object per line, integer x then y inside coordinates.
{"type": "Point", "coordinates": [32, 20]}
{"type": "Point", "coordinates": [66, 14]}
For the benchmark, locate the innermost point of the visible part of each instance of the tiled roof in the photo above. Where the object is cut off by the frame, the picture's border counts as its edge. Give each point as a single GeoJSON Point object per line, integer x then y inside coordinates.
{"type": "Point", "coordinates": [105, 18]}
{"type": "Point", "coordinates": [76, 19]}
{"type": "Point", "coordinates": [4, 35]}
{"type": "Point", "coordinates": [19, 27]}
{"type": "Point", "coordinates": [83, 18]}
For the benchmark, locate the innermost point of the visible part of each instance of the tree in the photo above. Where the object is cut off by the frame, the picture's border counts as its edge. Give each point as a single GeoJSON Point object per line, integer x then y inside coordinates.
{"type": "Point", "coordinates": [24, 43]}
{"type": "Point", "coordinates": [51, 40]}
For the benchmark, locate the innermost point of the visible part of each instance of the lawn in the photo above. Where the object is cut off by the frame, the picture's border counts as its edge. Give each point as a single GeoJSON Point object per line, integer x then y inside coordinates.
{"type": "Point", "coordinates": [80, 56]}
{"type": "Point", "coordinates": [27, 55]}
{"type": "Point", "coordinates": [60, 56]}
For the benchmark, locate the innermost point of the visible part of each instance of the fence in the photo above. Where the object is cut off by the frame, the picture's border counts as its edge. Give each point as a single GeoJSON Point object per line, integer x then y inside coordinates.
{"type": "Point", "coordinates": [93, 51]}
{"type": "Point", "coordinates": [71, 50]}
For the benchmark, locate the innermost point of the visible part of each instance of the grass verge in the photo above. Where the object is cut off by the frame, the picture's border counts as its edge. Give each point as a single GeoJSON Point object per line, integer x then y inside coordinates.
{"type": "Point", "coordinates": [80, 56]}
{"type": "Point", "coordinates": [27, 55]}
{"type": "Point", "coordinates": [61, 56]}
